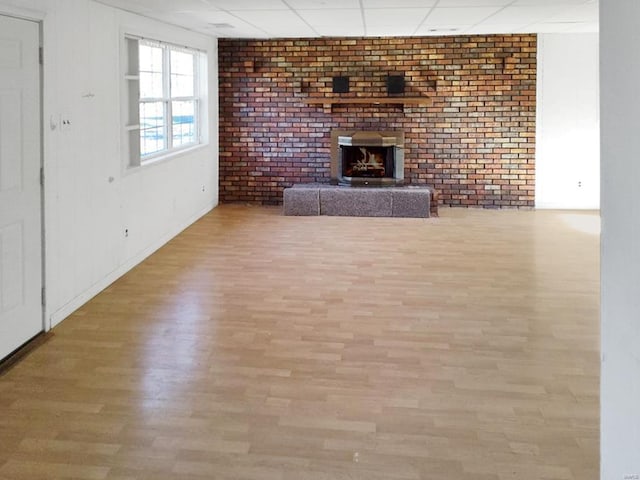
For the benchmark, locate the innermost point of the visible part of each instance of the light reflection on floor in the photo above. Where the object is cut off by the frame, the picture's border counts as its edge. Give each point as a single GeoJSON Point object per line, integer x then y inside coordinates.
{"type": "Point", "coordinates": [587, 222]}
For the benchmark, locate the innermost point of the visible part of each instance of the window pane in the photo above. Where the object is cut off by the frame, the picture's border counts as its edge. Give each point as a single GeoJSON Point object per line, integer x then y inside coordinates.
{"type": "Point", "coordinates": [181, 63]}
{"type": "Point", "coordinates": [182, 74]}
{"type": "Point", "coordinates": [150, 58]}
{"type": "Point", "coordinates": [152, 128]}
{"type": "Point", "coordinates": [181, 86]}
{"type": "Point", "coordinates": [183, 122]}
{"type": "Point", "coordinates": [150, 71]}
{"type": "Point", "coordinates": [151, 85]}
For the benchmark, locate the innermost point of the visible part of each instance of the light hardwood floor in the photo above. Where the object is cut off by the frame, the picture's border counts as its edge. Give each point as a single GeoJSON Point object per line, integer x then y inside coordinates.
{"type": "Point", "coordinates": [258, 346]}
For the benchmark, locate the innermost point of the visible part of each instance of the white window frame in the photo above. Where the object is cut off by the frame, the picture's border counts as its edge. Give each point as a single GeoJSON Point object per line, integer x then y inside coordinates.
{"type": "Point", "coordinates": [131, 101]}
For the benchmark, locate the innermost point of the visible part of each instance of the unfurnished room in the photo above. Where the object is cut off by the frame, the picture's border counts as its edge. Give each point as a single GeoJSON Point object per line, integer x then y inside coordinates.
{"type": "Point", "coordinates": [319, 239]}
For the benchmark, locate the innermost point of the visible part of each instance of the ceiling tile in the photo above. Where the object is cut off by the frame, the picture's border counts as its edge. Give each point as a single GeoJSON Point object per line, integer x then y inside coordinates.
{"type": "Point", "coordinates": [247, 4]}
{"type": "Point", "coordinates": [488, 29]}
{"type": "Point", "coordinates": [388, 31]}
{"type": "Point", "coordinates": [286, 31]}
{"type": "Point", "coordinates": [474, 3]}
{"type": "Point", "coordinates": [524, 3]}
{"type": "Point", "coordinates": [279, 23]}
{"type": "Point", "coordinates": [398, 3]}
{"type": "Point", "coordinates": [218, 16]}
{"type": "Point", "coordinates": [322, 4]}
{"type": "Point", "coordinates": [443, 29]}
{"type": "Point", "coordinates": [406, 19]}
{"type": "Point", "coordinates": [269, 18]}
{"type": "Point", "coordinates": [525, 15]}
{"type": "Point", "coordinates": [244, 31]}
{"type": "Point", "coordinates": [459, 15]}
{"type": "Point", "coordinates": [340, 30]}
{"type": "Point", "coordinates": [339, 18]}
{"type": "Point", "coordinates": [138, 6]}
{"type": "Point", "coordinates": [165, 5]}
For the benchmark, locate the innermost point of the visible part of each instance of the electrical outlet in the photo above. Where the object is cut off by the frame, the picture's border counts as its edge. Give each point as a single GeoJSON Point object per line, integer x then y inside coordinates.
{"type": "Point", "coordinates": [126, 232]}
{"type": "Point", "coordinates": [65, 123]}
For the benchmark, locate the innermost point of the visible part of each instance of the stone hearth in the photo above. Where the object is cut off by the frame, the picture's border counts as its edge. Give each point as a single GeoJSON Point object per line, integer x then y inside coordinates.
{"type": "Point", "coordinates": [332, 200]}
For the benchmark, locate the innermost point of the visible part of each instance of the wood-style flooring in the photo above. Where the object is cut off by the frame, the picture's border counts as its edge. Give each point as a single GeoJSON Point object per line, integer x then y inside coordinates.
{"type": "Point", "coordinates": [258, 346]}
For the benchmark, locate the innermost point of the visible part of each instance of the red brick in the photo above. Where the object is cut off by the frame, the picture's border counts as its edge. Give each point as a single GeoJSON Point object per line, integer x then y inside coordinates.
{"type": "Point", "coordinates": [475, 144]}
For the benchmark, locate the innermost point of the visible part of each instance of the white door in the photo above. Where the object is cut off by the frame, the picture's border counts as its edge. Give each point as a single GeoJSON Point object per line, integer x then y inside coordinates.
{"type": "Point", "coordinates": [20, 191]}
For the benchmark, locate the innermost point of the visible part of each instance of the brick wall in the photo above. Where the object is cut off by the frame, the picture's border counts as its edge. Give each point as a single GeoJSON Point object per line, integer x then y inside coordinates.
{"type": "Point", "coordinates": [475, 143]}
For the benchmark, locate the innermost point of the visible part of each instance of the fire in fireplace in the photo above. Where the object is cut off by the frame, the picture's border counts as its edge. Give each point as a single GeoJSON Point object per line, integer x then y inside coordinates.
{"type": "Point", "coordinates": [367, 158]}
{"type": "Point", "coordinates": [371, 162]}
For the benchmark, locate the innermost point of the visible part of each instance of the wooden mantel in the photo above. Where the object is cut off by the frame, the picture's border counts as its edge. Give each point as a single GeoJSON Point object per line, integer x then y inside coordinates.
{"type": "Point", "coordinates": [328, 103]}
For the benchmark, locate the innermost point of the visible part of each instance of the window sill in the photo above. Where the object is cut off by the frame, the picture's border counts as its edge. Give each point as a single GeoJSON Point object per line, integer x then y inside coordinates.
{"type": "Point", "coordinates": [166, 157]}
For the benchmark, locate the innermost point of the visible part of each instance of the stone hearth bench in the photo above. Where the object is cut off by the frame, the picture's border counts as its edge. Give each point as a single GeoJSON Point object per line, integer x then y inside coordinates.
{"type": "Point", "coordinates": [322, 199]}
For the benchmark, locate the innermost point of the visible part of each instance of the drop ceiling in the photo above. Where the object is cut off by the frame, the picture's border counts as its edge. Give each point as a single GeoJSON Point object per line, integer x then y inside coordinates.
{"type": "Point", "coordinates": [329, 18]}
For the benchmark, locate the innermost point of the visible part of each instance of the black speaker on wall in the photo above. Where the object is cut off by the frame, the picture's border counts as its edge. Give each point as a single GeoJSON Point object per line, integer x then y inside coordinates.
{"type": "Point", "coordinates": [395, 84]}
{"type": "Point", "coordinates": [340, 84]}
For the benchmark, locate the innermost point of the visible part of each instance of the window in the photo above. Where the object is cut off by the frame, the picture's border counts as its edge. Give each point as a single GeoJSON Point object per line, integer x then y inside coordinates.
{"type": "Point", "coordinates": [163, 112]}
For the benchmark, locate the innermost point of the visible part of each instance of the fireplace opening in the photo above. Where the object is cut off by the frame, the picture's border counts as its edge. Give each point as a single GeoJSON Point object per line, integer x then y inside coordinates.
{"type": "Point", "coordinates": [367, 162]}
{"type": "Point", "coordinates": [367, 158]}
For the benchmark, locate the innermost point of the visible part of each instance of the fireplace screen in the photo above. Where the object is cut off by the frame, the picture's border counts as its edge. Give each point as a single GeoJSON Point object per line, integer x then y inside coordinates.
{"type": "Point", "coordinates": [367, 158]}
{"type": "Point", "coordinates": [367, 162]}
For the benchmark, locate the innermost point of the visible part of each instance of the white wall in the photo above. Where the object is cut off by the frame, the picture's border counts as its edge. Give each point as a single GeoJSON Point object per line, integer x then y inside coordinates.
{"type": "Point", "coordinates": [90, 195]}
{"type": "Point", "coordinates": [620, 267]}
{"type": "Point", "coordinates": [567, 138]}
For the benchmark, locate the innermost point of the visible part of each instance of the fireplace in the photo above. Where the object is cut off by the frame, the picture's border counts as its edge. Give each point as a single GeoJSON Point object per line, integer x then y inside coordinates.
{"type": "Point", "coordinates": [367, 158]}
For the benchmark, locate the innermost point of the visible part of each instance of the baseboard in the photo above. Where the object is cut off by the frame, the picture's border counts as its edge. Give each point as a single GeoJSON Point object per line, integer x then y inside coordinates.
{"type": "Point", "coordinates": [59, 315]}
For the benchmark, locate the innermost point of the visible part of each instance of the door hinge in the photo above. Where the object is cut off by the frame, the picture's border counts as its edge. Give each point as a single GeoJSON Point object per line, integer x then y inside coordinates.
{"type": "Point", "coordinates": [41, 55]}
{"type": "Point", "coordinates": [42, 176]}
{"type": "Point", "coordinates": [43, 296]}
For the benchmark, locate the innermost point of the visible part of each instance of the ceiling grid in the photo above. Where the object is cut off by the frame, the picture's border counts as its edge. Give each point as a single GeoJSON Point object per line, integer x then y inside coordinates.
{"type": "Point", "coordinates": [368, 18]}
